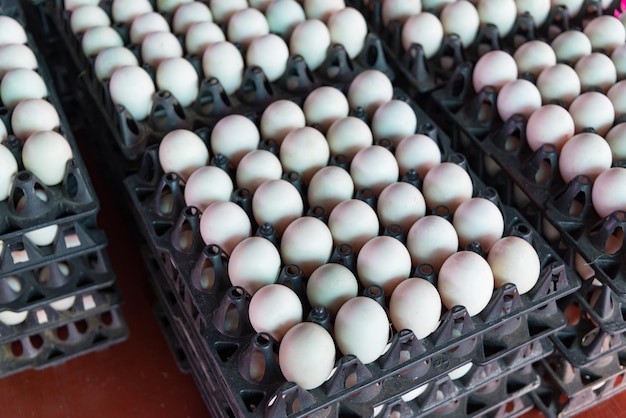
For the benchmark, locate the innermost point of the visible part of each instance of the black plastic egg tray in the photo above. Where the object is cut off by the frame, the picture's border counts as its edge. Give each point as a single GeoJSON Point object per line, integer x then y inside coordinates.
{"type": "Point", "coordinates": [603, 306]}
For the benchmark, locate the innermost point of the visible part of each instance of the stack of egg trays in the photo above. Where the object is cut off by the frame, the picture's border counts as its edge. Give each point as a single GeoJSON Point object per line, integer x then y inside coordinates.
{"type": "Point", "coordinates": [504, 329]}
{"type": "Point", "coordinates": [74, 267]}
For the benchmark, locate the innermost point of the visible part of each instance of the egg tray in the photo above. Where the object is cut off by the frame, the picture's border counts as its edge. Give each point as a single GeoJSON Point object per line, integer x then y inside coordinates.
{"type": "Point", "coordinates": [58, 345]}
{"type": "Point", "coordinates": [603, 306]}
{"type": "Point", "coordinates": [566, 390]}
{"type": "Point", "coordinates": [166, 325]}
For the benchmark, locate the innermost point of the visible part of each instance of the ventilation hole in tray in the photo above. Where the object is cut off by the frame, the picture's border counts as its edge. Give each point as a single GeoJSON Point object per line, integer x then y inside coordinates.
{"type": "Point", "coordinates": [16, 348]}
{"type": "Point", "coordinates": [185, 237]}
{"type": "Point", "coordinates": [512, 143]}
{"type": "Point", "coordinates": [93, 261]}
{"type": "Point", "coordinates": [572, 314]}
{"type": "Point", "coordinates": [18, 198]}
{"type": "Point", "coordinates": [160, 228]}
{"type": "Point", "coordinates": [618, 380]}
{"type": "Point", "coordinates": [231, 319]}
{"type": "Point", "coordinates": [107, 318]}
{"type": "Point", "coordinates": [542, 175]}
{"type": "Point", "coordinates": [351, 380]}
{"type": "Point", "coordinates": [568, 340]}
{"type": "Point", "coordinates": [63, 333]}
{"type": "Point", "coordinates": [71, 185]}
{"type": "Point", "coordinates": [614, 241]}
{"type": "Point", "coordinates": [257, 366]}
{"type": "Point", "coordinates": [589, 337]}
{"type": "Point", "coordinates": [577, 206]}
{"type": "Point", "coordinates": [509, 407]}
{"type": "Point", "coordinates": [474, 406]}
{"type": "Point", "coordinates": [81, 326]}
{"type": "Point", "coordinates": [225, 350]}
{"type": "Point", "coordinates": [512, 387]}
{"type": "Point", "coordinates": [10, 288]}
{"type": "Point", "coordinates": [36, 341]}
{"type": "Point", "coordinates": [252, 399]}
{"type": "Point", "coordinates": [207, 278]}
{"type": "Point", "coordinates": [166, 201]}
{"type": "Point", "coordinates": [484, 112]}
{"type": "Point", "coordinates": [563, 399]}
{"type": "Point", "coordinates": [457, 85]}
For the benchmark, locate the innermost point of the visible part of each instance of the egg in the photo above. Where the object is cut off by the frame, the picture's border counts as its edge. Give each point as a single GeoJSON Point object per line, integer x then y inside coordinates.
{"type": "Point", "coordinates": [423, 29]}
{"type": "Point", "coordinates": [280, 118]}
{"type": "Point", "coordinates": [71, 5]}
{"type": "Point", "coordinates": [325, 105]}
{"type": "Point", "coordinates": [353, 222]}
{"type": "Point", "coordinates": [223, 9]}
{"type": "Point", "coordinates": [254, 263]}
{"type": "Point", "coordinates": [179, 77]}
{"type": "Point", "coordinates": [348, 28]}
{"type": "Point", "coordinates": [431, 240]}
{"type": "Point", "coordinates": [125, 11]}
{"type": "Point", "coordinates": [21, 84]}
{"type": "Point", "coordinates": [169, 6]}
{"type": "Point", "coordinates": [465, 279]}
{"type": "Point", "coordinates": [616, 95]}
{"type": "Point", "coordinates": [83, 18]}
{"type": "Point", "coordinates": [447, 184]}
{"type": "Point", "coordinates": [246, 24]}
{"type": "Point", "coordinates": [207, 185]}
{"type": "Point", "coordinates": [436, 5]}
{"type": "Point", "coordinates": [225, 224]}
{"type": "Point", "coordinates": [461, 18]}
{"type": "Point", "coordinates": [330, 286]}
{"type": "Point", "coordinates": [42, 236]}
{"type": "Point", "coordinates": [616, 138]}
{"type": "Point", "coordinates": [596, 70]}
{"type": "Point", "coordinates": [133, 88]}
{"type": "Point", "coordinates": [585, 153]}
{"type": "Point", "coordinates": [533, 56]}
{"type": "Point", "coordinates": [347, 136]}
{"type": "Point", "coordinates": [12, 318]}
{"type": "Point", "coordinates": [550, 124]}
{"type": "Point", "coordinates": [8, 169]}
{"type": "Point", "coordinates": [399, 10]}
{"type": "Point", "coordinates": [539, 10]}
{"type": "Point", "coordinates": [189, 13]}
{"type": "Point", "coordinates": [313, 53]}
{"type": "Point", "coordinates": [609, 191]}
{"type": "Point", "coordinates": [275, 309]}
{"type": "Point", "coordinates": [618, 56]}
{"type": "Point", "coordinates": [558, 82]}
{"type": "Point", "coordinates": [361, 329]}
{"type": "Point", "coordinates": [328, 187]}
{"type": "Point", "coordinates": [322, 9]}
{"type": "Point", "coordinates": [514, 260]}
{"type": "Point", "coordinates": [45, 154]}
{"type": "Point", "coordinates": [305, 151]}
{"type": "Point", "coordinates": [146, 24]}
{"type": "Point", "coordinates": [277, 202]}
{"type": "Point", "coordinates": [24, 124]}
{"type": "Point", "coordinates": [402, 204]}
{"type": "Point", "coordinates": [159, 46]}
{"type": "Point", "coordinates": [223, 61]}
{"type": "Point", "coordinates": [374, 167]}
{"type": "Point", "coordinates": [3, 132]}
{"type": "Point", "coordinates": [394, 120]}
{"type": "Point", "coordinates": [306, 242]}
{"type": "Point", "coordinates": [100, 38]}
{"type": "Point", "coordinates": [415, 304]}
{"type": "Point", "coordinates": [480, 220]}
{"type": "Point", "coordinates": [270, 53]}
{"type": "Point", "coordinates": [369, 90]}
{"type": "Point", "coordinates": [592, 110]}
{"type": "Point", "coordinates": [605, 33]}
{"type": "Point", "coordinates": [383, 261]}
{"type": "Point", "coordinates": [570, 46]}
{"type": "Point", "coordinates": [182, 151]}
{"type": "Point", "coordinates": [518, 97]}
{"type": "Point", "coordinates": [495, 68]}
{"type": "Point", "coordinates": [283, 16]}
{"type": "Point", "coordinates": [110, 59]}
{"type": "Point", "coordinates": [202, 34]}
{"type": "Point", "coordinates": [256, 167]}
{"type": "Point", "coordinates": [311, 341]}
{"type": "Point", "coordinates": [417, 152]}
{"type": "Point", "coordinates": [500, 13]}
{"type": "Point", "coordinates": [572, 6]}
{"type": "Point", "coordinates": [63, 304]}
{"type": "Point", "coordinates": [234, 136]}
{"type": "Point", "coordinates": [14, 56]}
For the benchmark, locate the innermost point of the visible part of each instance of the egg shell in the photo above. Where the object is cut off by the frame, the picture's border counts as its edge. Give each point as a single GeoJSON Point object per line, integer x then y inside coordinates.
{"type": "Point", "coordinates": [550, 124]}
{"type": "Point", "coordinates": [461, 18]}
{"type": "Point", "coordinates": [21, 84]}
{"type": "Point", "coordinates": [330, 286]}
{"type": "Point", "coordinates": [592, 110]}
{"type": "Point", "coordinates": [348, 28]}
{"type": "Point", "coordinates": [223, 9]}
{"type": "Point", "coordinates": [314, 53]}
{"type": "Point", "coordinates": [572, 6]}
{"type": "Point", "coordinates": [3, 132]}
{"type": "Point", "coordinates": [254, 263]}
{"type": "Point", "coordinates": [169, 6]}
{"type": "Point", "coordinates": [500, 13]}
{"type": "Point", "coordinates": [399, 10]}
{"type": "Point", "coordinates": [125, 11]}
{"type": "Point", "coordinates": [415, 304]}
{"type": "Point", "coordinates": [277, 202]}
{"type": "Point", "coordinates": [616, 138]}
{"type": "Point", "coordinates": [234, 136]}
{"type": "Point", "coordinates": [596, 70]}
{"type": "Point", "coordinates": [306, 242]}
{"type": "Point", "coordinates": [617, 95]}
{"type": "Point", "coordinates": [100, 38]}
{"type": "Point", "coordinates": [465, 279]}
{"type": "Point", "coordinates": [202, 34]}
{"type": "Point", "coordinates": [305, 151]}
{"type": "Point", "coordinates": [394, 120]}
{"type": "Point", "coordinates": [401, 204]}
{"type": "Point", "coordinates": [609, 191]}
{"type": "Point", "coordinates": [605, 33]}
{"type": "Point", "coordinates": [110, 59]}
{"type": "Point", "coordinates": [374, 167]}
{"type": "Point", "coordinates": [309, 341]}
{"type": "Point", "coordinates": [246, 24]}
{"type": "Point", "coordinates": [8, 168]}
{"type": "Point", "coordinates": [347, 136]}
{"type": "Point", "coordinates": [133, 88]}
{"type": "Point", "coordinates": [256, 167]}
{"type": "Point", "coordinates": [436, 5]}
{"type": "Point", "coordinates": [270, 53]}
{"type": "Point", "coordinates": [417, 152]}
{"type": "Point", "coordinates": [225, 224]}
{"type": "Point", "coordinates": [353, 222]}
{"type": "Point", "coordinates": [159, 46]}
{"type": "Point", "coordinates": [275, 309]}
{"type": "Point", "coordinates": [570, 46]}
{"type": "Point", "coordinates": [618, 56]}
{"type": "Point", "coordinates": [369, 90]}
{"type": "Point", "coordinates": [283, 16]}
{"type": "Point", "coordinates": [361, 329]}
{"type": "Point", "coordinates": [42, 236]}
{"type": "Point", "coordinates": [223, 61]}
{"type": "Point", "coordinates": [423, 29]}
{"type": "Point", "coordinates": [84, 18]}
{"type": "Point", "coordinates": [431, 240]}
{"type": "Point", "coordinates": [11, 31]}
{"type": "Point", "coordinates": [518, 97]}
{"type": "Point", "coordinates": [14, 56]}
{"type": "Point", "coordinates": [189, 13]}
{"type": "Point", "coordinates": [447, 184]}
{"type": "Point", "coordinates": [514, 260]}
{"type": "Point", "coordinates": [45, 154]}
{"type": "Point", "coordinates": [146, 24]}
{"type": "Point", "coordinates": [533, 56]}
{"type": "Point", "coordinates": [495, 68]}
{"type": "Point", "coordinates": [13, 318]}
{"type": "Point", "coordinates": [328, 187]}
{"type": "Point", "coordinates": [63, 304]}
{"type": "Point", "coordinates": [460, 371]}
{"type": "Point", "coordinates": [207, 185]}
{"type": "Point", "coordinates": [182, 151]}
{"type": "Point", "coordinates": [179, 77]}
{"type": "Point", "coordinates": [558, 82]}
{"type": "Point", "coordinates": [23, 120]}
{"type": "Point", "coordinates": [71, 5]}
{"type": "Point", "coordinates": [324, 105]}
{"type": "Point", "coordinates": [280, 118]}
{"type": "Point", "coordinates": [538, 9]}
{"type": "Point", "coordinates": [478, 219]}
{"type": "Point", "coordinates": [585, 153]}
{"type": "Point", "coordinates": [383, 261]}
{"type": "Point", "coordinates": [322, 9]}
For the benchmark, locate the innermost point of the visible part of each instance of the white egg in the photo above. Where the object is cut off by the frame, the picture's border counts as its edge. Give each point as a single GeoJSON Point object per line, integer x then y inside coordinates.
{"type": "Point", "coordinates": [3, 132]}
{"type": "Point", "coordinates": [133, 88]}
{"type": "Point", "coordinates": [514, 260]}
{"type": "Point", "coordinates": [63, 304]}
{"type": "Point", "coordinates": [609, 191]}
{"type": "Point", "coordinates": [21, 84]}
{"type": "Point", "coordinates": [592, 110]}
{"type": "Point", "coordinates": [571, 45]}
{"type": "Point", "coordinates": [399, 10]}
{"type": "Point", "coordinates": [617, 95]}
{"type": "Point", "coordinates": [618, 56]}
{"type": "Point", "coordinates": [495, 68]}
{"type": "Point", "coordinates": [207, 185]}
{"type": "Point", "coordinates": [223, 61]}
{"type": "Point", "coordinates": [189, 13]}
{"type": "Point", "coordinates": [14, 56]}
{"type": "Point", "coordinates": [416, 305]}
{"type": "Point", "coordinates": [550, 124]}
{"type": "Point", "coordinates": [254, 263]}
{"type": "Point", "coordinates": [86, 17]}
{"type": "Point", "coordinates": [417, 152]}
{"type": "Point", "coordinates": [324, 105]}
{"type": "Point", "coordinates": [596, 70]}
{"type": "Point", "coordinates": [518, 97]}
{"type": "Point", "coordinates": [500, 13]}
{"type": "Point", "coordinates": [313, 53]}
{"type": "Point", "coordinates": [146, 24]}
{"type": "Point", "coordinates": [182, 151]}
{"type": "Point", "coordinates": [348, 28]}
{"type": "Point", "coordinates": [347, 136]}
{"type": "Point", "coordinates": [353, 222]}
{"type": "Point", "coordinates": [558, 82]}
{"type": "Point", "coordinates": [605, 33]}
{"type": "Point", "coordinates": [584, 153]}
{"type": "Point", "coordinates": [45, 154]}
{"type": "Point", "coordinates": [616, 138]}
{"type": "Point", "coordinates": [402, 204]}
{"type": "Point", "coordinates": [200, 35]}
{"type": "Point", "coordinates": [465, 279]}
{"type": "Point", "coordinates": [71, 5]}
{"type": "Point", "coordinates": [275, 309]}
{"type": "Point", "coordinates": [394, 120]}
{"type": "Point", "coordinates": [23, 120]}
{"type": "Point", "coordinates": [311, 341]}
{"type": "Point", "coordinates": [159, 46]}
{"type": "Point", "coordinates": [8, 169]}
{"type": "Point", "coordinates": [225, 224]}
{"type": "Point", "coordinates": [43, 236]}
{"type": "Point", "coordinates": [11, 31]}
{"type": "Point", "coordinates": [328, 187]}
{"type": "Point", "coordinates": [460, 371]}
{"type": "Point", "coordinates": [280, 118]}
{"type": "Point", "coordinates": [246, 24]}
{"type": "Point", "coordinates": [431, 240]}
{"type": "Point", "coordinates": [179, 77]}
{"type": "Point", "coordinates": [12, 318]}
{"type": "Point", "coordinates": [277, 202]}
{"type": "Point", "coordinates": [447, 184]}
{"type": "Point", "coordinates": [423, 29]}
{"type": "Point", "coordinates": [330, 286]}
{"type": "Point", "coordinates": [125, 11]}
{"type": "Point", "coordinates": [305, 151]}
{"type": "Point", "coordinates": [100, 38]}
{"type": "Point", "coordinates": [533, 56]}
{"type": "Point", "coordinates": [362, 329]}
{"type": "Point", "coordinates": [255, 168]}
{"type": "Point", "coordinates": [383, 261]}
{"type": "Point", "coordinates": [110, 59]}
{"type": "Point", "coordinates": [461, 18]}
{"type": "Point", "coordinates": [573, 6]}
{"type": "Point", "coordinates": [369, 90]}
{"type": "Point", "coordinates": [480, 220]}
{"type": "Point", "coordinates": [538, 9]}
{"type": "Point", "coordinates": [436, 5]}
{"type": "Point", "coordinates": [234, 136]}
{"type": "Point", "coordinates": [270, 53]}
{"type": "Point", "coordinates": [306, 242]}
{"type": "Point", "coordinates": [169, 6]}
{"type": "Point", "coordinates": [322, 9]}
{"type": "Point", "coordinates": [223, 9]}
{"type": "Point", "coordinates": [374, 167]}
{"type": "Point", "coordinates": [283, 16]}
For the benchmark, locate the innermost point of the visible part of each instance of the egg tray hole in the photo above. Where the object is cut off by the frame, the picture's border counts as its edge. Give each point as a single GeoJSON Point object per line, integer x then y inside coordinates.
{"type": "Point", "coordinates": [605, 307]}
{"type": "Point", "coordinates": [33, 289]}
